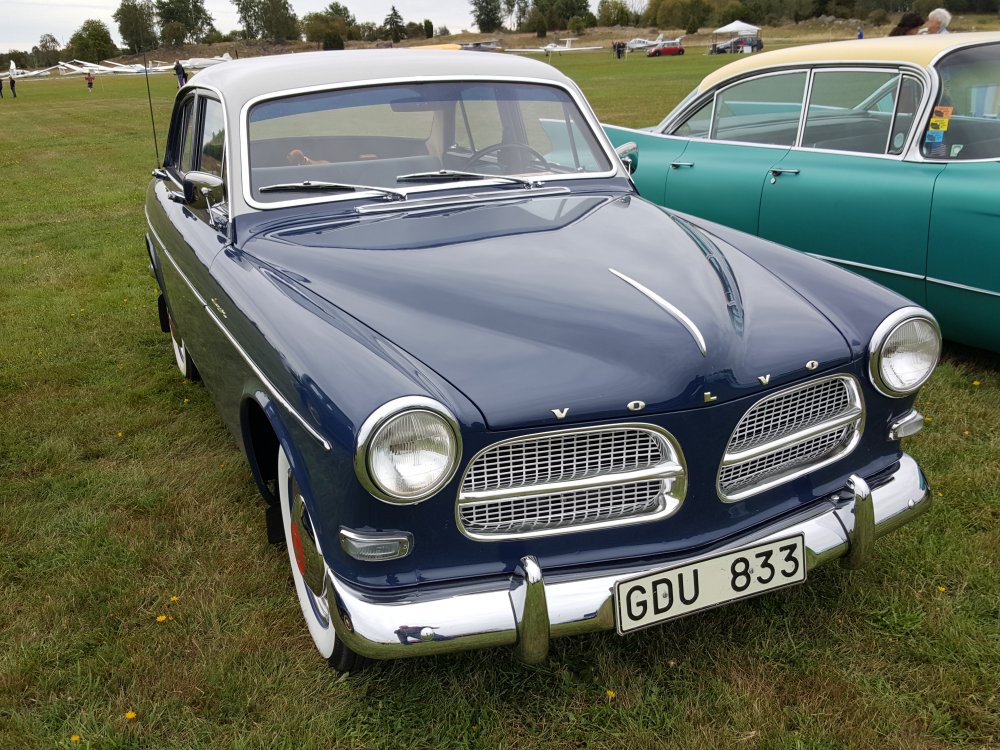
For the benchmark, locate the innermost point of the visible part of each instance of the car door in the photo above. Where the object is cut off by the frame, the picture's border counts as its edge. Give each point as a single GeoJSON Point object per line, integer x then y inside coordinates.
{"type": "Point", "coordinates": [655, 154]}
{"type": "Point", "coordinates": [735, 138]}
{"type": "Point", "coordinates": [190, 237]}
{"type": "Point", "coordinates": [846, 193]}
{"type": "Point", "coordinates": [963, 266]}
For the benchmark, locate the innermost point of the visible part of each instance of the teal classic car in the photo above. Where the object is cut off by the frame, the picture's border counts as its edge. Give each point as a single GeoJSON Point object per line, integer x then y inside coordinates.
{"type": "Point", "coordinates": [881, 155]}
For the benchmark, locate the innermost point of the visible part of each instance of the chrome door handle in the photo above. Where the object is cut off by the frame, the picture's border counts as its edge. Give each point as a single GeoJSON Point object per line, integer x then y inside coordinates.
{"type": "Point", "coordinates": [775, 171]}
{"type": "Point", "coordinates": [679, 164]}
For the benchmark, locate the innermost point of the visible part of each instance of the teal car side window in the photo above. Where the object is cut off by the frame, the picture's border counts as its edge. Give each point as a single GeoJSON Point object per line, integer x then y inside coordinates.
{"type": "Point", "coordinates": [761, 110]}
{"type": "Point", "coordinates": [965, 121]}
{"type": "Point", "coordinates": [861, 111]}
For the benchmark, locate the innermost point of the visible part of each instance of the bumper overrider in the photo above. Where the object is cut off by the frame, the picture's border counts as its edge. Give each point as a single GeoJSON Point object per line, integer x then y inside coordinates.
{"type": "Point", "coordinates": [528, 609]}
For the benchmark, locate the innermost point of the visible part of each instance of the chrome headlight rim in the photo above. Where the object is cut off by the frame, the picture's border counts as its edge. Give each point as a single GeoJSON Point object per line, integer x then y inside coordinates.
{"type": "Point", "coordinates": [883, 334]}
{"type": "Point", "coordinates": [378, 420]}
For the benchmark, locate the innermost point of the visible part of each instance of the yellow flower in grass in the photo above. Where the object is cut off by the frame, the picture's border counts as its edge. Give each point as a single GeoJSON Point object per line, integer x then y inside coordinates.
{"type": "Point", "coordinates": [611, 694]}
{"type": "Point", "coordinates": [130, 715]}
{"type": "Point", "coordinates": [976, 382]}
{"type": "Point", "coordinates": [942, 589]}
{"type": "Point", "coordinates": [74, 738]}
{"type": "Point", "coordinates": [175, 598]}
{"type": "Point", "coordinates": [161, 618]}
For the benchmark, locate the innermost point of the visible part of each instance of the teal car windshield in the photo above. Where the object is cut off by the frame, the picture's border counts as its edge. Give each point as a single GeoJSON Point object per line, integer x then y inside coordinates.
{"type": "Point", "coordinates": [428, 133]}
{"type": "Point", "coordinates": [965, 122]}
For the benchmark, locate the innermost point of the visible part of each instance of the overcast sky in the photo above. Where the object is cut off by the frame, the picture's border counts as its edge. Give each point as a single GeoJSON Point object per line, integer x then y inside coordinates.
{"type": "Point", "coordinates": [22, 22]}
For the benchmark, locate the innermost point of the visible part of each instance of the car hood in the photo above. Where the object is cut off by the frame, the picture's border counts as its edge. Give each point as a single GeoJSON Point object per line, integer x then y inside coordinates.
{"type": "Point", "coordinates": [565, 308]}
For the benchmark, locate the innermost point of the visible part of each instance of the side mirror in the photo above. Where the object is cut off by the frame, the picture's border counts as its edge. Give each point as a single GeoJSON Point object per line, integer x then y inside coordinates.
{"type": "Point", "coordinates": [203, 190]}
{"type": "Point", "coordinates": [629, 154]}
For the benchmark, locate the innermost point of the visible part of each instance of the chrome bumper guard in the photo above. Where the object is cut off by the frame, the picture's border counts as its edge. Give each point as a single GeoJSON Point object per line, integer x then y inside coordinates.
{"type": "Point", "coordinates": [529, 609]}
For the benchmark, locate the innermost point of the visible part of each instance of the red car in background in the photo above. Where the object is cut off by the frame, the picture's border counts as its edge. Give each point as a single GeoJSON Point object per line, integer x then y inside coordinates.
{"type": "Point", "coordinates": [670, 47]}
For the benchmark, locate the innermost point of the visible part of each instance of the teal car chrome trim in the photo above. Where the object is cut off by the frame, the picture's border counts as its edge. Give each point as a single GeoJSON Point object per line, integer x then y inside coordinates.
{"type": "Point", "coordinates": [855, 264]}
{"type": "Point", "coordinates": [664, 305]}
{"type": "Point", "coordinates": [964, 287]}
{"type": "Point", "coordinates": [528, 608]}
{"type": "Point", "coordinates": [268, 385]}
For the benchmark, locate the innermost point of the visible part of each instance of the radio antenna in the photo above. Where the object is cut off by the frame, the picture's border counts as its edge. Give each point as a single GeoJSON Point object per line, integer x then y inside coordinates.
{"type": "Point", "coordinates": [149, 97]}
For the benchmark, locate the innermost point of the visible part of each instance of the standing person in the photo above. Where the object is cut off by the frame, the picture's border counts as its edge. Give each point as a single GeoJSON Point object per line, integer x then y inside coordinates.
{"type": "Point", "coordinates": [908, 25]}
{"type": "Point", "coordinates": [13, 90]}
{"type": "Point", "coordinates": [181, 75]}
{"type": "Point", "coordinates": [1, 87]}
{"type": "Point", "coordinates": [937, 22]}
{"type": "Point", "coordinates": [861, 33]}
{"type": "Point", "coordinates": [90, 82]}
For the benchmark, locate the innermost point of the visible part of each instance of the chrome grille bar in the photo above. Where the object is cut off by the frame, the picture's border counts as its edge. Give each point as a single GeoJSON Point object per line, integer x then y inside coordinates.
{"type": "Point", "coordinates": [791, 432]}
{"type": "Point", "coordinates": [571, 480]}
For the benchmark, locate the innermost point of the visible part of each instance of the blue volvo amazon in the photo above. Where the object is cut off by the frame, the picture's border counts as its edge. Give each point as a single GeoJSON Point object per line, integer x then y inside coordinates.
{"type": "Point", "coordinates": [492, 396]}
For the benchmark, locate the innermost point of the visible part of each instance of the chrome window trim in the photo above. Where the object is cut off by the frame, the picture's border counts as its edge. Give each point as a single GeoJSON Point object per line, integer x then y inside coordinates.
{"type": "Point", "coordinates": [859, 416]}
{"type": "Point", "coordinates": [902, 68]}
{"type": "Point", "coordinates": [268, 385]}
{"type": "Point", "coordinates": [878, 340]}
{"type": "Point", "coordinates": [227, 171]}
{"type": "Point", "coordinates": [675, 468]}
{"type": "Point", "coordinates": [370, 427]}
{"type": "Point", "coordinates": [572, 91]}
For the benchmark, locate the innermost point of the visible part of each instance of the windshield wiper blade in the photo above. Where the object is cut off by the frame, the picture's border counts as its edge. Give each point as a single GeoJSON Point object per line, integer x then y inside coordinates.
{"type": "Point", "coordinates": [307, 186]}
{"type": "Point", "coordinates": [448, 175]}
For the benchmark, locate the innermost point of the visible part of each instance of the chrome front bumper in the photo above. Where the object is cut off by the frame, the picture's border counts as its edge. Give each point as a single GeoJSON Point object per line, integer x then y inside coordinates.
{"type": "Point", "coordinates": [528, 609]}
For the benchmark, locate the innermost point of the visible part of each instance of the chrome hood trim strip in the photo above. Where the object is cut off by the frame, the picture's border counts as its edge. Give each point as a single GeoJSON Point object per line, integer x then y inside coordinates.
{"type": "Point", "coordinates": [666, 306]}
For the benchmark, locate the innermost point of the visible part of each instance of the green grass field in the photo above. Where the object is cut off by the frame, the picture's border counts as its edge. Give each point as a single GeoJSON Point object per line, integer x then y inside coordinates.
{"type": "Point", "coordinates": [143, 608]}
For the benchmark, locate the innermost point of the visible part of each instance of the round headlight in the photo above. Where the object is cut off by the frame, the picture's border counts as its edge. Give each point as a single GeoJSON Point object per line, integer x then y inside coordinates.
{"type": "Point", "coordinates": [904, 351]}
{"type": "Point", "coordinates": [406, 451]}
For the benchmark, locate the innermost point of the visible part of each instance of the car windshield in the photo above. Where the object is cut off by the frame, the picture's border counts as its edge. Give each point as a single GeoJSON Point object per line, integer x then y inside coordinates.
{"type": "Point", "coordinates": [965, 122]}
{"type": "Point", "coordinates": [381, 136]}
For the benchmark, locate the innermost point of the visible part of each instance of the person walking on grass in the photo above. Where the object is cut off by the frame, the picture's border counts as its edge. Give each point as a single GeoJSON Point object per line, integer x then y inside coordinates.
{"type": "Point", "coordinates": [1, 87]}
{"type": "Point", "coordinates": [13, 91]}
{"type": "Point", "coordinates": [90, 82]}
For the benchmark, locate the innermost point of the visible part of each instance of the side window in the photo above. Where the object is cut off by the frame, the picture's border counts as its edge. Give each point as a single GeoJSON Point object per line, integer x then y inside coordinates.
{"type": "Point", "coordinates": [965, 119]}
{"type": "Point", "coordinates": [697, 125]}
{"type": "Point", "coordinates": [186, 147]}
{"type": "Point", "coordinates": [910, 93]}
{"type": "Point", "coordinates": [762, 110]}
{"type": "Point", "coordinates": [852, 110]}
{"type": "Point", "coordinates": [213, 138]}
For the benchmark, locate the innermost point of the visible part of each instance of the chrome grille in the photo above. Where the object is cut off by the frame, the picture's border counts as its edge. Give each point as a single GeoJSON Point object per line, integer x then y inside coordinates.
{"type": "Point", "coordinates": [571, 480]}
{"type": "Point", "coordinates": [792, 432]}
{"type": "Point", "coordinates": [525, 514]}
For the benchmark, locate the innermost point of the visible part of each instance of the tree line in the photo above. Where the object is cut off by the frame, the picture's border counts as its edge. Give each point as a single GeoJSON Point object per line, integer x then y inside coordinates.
{"type": "Point", "coordinates": [150, 24]}
{"type": "Point", "coordinates": [541, 16]}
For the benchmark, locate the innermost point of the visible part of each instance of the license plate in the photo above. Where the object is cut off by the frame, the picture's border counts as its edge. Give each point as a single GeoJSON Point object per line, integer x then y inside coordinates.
{"type": "Point", "coordinates": [674, 592]}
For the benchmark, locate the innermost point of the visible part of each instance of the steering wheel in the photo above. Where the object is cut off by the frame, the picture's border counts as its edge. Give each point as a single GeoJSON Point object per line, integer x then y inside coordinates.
{"type": "Point", "coordinates": [497, 147]}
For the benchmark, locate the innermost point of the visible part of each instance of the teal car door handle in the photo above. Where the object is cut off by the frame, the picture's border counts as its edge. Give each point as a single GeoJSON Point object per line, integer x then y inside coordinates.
{"type": "Point", "coordinates": [775, 171]}
{"type": "Point", "coordinates": [679, 164]}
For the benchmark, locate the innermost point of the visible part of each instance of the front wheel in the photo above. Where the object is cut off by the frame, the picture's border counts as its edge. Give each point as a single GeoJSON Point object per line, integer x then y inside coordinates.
{"type": "Point", "coordinates": [315, 608]}
{"type": "Point", "coordinates": [680, 52]}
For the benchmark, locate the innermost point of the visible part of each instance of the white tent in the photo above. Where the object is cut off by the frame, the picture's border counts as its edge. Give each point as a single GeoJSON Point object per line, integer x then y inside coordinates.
{"type": "Point", "coordinates": [737, 27]}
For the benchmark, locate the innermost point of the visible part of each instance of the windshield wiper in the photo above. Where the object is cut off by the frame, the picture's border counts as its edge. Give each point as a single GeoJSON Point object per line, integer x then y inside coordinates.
{"type": "Point", "coordinates": [311, 186]}
{"type": "Point", "coordinates": [448, 175]}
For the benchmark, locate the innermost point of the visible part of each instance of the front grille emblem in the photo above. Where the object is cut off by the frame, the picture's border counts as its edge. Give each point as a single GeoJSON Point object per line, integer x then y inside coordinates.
{"type": "Point", "coordinates": [561, 413]}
